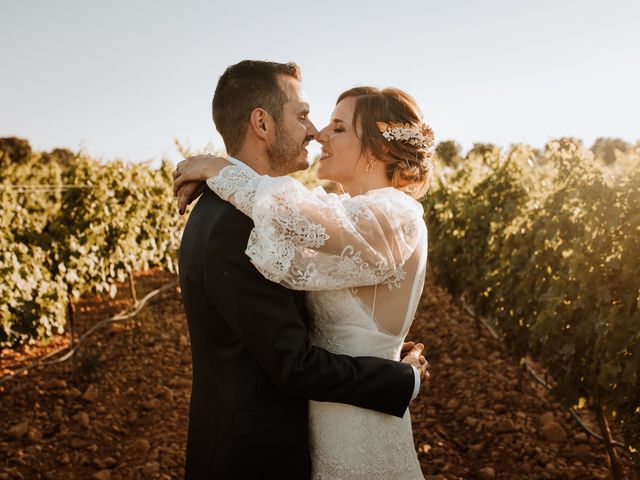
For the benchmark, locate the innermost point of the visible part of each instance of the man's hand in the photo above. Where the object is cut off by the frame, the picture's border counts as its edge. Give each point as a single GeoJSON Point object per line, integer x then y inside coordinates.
{"type": "Point", "coordinates": [412, 354]}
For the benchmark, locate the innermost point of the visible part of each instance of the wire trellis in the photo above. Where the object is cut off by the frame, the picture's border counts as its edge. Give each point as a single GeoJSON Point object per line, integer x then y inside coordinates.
{"type": "Point", "coordinates": [70, 350]}
{"type": "Point", "coordinates": [43, 188]}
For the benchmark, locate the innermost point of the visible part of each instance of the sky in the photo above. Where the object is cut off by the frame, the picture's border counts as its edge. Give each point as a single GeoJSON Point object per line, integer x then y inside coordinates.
{"type": "Point", "coordinates": [123, 79]}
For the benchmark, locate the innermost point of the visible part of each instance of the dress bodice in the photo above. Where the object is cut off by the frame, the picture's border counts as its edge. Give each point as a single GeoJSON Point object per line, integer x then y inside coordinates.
{"type": "Point", "coordinates": [342, 324]}
{"type": "Point", "coordinates": [346, 441]}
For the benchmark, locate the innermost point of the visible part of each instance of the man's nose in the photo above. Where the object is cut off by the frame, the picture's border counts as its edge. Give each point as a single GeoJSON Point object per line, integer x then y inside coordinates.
{"type": "Point", "coordinates": [312, 131]}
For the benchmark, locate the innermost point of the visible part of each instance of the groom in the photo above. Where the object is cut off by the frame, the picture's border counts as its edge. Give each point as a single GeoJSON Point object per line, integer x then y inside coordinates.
{"type": "Point", "coordinates": [253, 366]}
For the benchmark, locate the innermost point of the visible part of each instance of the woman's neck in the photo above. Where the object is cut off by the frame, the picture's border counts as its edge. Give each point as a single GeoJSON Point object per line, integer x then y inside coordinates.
{"type": "Point", "coordinates": [366, 182]}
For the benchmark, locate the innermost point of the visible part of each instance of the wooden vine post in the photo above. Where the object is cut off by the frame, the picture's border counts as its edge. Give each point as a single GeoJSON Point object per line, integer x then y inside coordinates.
{"type": "Point", "coordinates": [132, 287]}
{"type": "Point", "coordinates": [614, 461]}
{"type": "Point", "coordinates": [71, 321]}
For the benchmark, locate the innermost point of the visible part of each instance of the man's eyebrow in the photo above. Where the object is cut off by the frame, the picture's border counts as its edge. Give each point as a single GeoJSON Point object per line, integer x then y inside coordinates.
{"type": "Point", "coordinates": [304, 108]}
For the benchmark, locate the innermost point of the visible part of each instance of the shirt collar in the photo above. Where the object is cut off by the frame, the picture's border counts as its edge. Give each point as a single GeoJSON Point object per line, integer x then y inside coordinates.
{"type": "Point", "coordinates": [240, 163]}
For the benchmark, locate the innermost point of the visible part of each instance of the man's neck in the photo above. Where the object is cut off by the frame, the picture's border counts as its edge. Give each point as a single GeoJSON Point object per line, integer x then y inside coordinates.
{"type": "Point", "coordinates": [256, 160]}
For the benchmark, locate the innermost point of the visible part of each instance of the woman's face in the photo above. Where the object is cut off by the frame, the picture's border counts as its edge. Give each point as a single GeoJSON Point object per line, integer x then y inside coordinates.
{"type": "Point", "coordinates": [342, 159]}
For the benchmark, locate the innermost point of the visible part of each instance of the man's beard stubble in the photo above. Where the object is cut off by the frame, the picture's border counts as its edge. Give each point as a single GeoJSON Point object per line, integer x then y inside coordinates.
{"type": "Point", "coordinates": [283, 154]}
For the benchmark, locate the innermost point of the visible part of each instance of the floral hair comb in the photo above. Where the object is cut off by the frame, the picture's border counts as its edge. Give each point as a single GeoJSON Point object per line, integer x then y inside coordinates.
{"type": "Point", "coordinates": [421, 137]}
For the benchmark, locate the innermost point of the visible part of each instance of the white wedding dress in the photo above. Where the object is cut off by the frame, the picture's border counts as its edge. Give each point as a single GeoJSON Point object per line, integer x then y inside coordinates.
{"type": "Point", "coordinates": [362, 260]}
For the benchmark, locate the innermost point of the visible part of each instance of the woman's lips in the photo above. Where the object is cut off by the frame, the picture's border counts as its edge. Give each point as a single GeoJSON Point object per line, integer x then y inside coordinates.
{"type": "Point", "coordinates": [324, 155]}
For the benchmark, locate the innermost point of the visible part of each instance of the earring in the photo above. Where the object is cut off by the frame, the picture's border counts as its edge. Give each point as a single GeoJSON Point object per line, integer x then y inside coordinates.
{"type": "Point", "coordinates": [369, 166]}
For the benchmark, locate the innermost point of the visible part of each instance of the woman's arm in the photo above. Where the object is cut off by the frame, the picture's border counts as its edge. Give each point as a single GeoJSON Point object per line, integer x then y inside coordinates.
{"type": "Point", "coordinates": [311, 240]}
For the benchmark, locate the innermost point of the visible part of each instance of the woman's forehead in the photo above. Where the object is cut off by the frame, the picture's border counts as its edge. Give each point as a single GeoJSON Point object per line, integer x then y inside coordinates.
{"type": "Point", "coordinates": [343, 111]}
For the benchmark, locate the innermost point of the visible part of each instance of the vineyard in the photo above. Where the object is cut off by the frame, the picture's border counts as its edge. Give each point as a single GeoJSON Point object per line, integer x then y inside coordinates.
{"type": "Point", "coordinates": [70, 226]}
{"type": "Point", "coordinates": [543, 246]}
{"type": "Point", "coordinates": [547, 247]}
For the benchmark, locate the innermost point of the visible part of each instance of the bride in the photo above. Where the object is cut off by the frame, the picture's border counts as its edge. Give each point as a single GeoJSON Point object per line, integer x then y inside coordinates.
{"type": "Point", "coordinates": [361, 256]}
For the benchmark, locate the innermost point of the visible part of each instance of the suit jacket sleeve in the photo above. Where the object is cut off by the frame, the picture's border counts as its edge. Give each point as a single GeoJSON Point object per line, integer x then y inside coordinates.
{"type": "Point", "coordinates": [264, 316]}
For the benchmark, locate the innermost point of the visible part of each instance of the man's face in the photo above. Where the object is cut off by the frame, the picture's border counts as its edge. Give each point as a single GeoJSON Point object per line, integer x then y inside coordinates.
{"type": "Point", "coordinates": [294, 131]}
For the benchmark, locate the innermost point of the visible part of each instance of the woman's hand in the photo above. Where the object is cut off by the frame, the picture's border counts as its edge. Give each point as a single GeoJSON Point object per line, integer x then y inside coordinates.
{"type": "Point", "coordinates": [197, 168]}
{"type": "Point", "coordinates": [188, 193]}
{"type": "Point", "coordinates": [189, 176]}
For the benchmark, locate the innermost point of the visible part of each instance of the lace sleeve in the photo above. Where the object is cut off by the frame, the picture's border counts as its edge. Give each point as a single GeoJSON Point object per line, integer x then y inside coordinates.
{"type": "Point", "coordinates": [312, 240]}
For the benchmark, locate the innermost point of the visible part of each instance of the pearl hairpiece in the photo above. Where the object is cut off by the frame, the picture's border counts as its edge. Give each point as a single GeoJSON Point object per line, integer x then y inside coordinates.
{"type": "Point", "coordinates": [421, 137]}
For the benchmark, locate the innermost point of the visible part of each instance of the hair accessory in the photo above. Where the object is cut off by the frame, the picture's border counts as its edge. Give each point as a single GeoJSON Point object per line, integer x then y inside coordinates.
{"type": "Point", "coordinates": [421, 137]}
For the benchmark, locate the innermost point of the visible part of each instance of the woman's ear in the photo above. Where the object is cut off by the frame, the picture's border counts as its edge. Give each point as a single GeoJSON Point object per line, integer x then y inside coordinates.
{"type": "Point", "coordinates": [383, 146]}
{"type": "Point", "coordinates": [261, 123]}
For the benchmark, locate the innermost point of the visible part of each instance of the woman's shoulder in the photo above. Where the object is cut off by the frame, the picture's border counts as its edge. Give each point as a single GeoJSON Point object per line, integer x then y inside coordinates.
{"type": "Point", "coordinates": [395, 202]}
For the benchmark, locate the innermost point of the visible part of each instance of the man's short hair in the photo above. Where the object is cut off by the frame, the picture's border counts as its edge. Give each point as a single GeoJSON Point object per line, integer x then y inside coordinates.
{"type": "Point", "coordinates": [242, 88]}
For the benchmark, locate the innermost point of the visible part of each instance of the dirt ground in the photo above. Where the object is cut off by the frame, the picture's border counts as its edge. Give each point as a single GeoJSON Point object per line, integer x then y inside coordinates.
{"type": "Point", "coordinates": [121, 413]}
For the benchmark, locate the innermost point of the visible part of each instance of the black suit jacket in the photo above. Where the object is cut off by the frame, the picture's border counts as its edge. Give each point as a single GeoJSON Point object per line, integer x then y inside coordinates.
{"type": "Point", "coordinates": [253, 366]}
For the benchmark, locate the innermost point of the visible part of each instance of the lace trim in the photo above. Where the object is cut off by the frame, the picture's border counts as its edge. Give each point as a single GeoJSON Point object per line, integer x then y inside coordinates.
{"type": "Point", "coordinates": [396, 280]}
{"type": "Point", "coordinates": [320, 336]}
{"type": "Point", "coordinates": [410, 230]}
{"type": "Point", "coordinates": [284, 244]}
{"type": "Point", "coordinates": [296, 227]}
{"type": "Point", "coordinates": [354, 211]}
{"type": "Point", "coordinates": [229, 181]}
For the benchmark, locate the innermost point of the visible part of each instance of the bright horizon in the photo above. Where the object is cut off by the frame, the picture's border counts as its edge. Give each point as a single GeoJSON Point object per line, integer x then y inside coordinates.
{"type": "Point", "coordinates": [123, 79]}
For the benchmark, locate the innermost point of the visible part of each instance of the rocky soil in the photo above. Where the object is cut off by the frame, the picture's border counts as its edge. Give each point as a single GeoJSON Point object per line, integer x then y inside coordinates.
{"type": "Point", "coordinates": [121, 411]}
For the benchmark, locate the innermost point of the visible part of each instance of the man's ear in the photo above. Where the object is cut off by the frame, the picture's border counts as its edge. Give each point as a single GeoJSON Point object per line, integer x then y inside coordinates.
{"type": "Point", "coordinates": [261, 123]}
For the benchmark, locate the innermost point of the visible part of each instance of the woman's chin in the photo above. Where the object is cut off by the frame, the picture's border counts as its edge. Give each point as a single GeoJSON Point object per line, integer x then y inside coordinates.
{"type": "Point", "coordinates": [326, 174]}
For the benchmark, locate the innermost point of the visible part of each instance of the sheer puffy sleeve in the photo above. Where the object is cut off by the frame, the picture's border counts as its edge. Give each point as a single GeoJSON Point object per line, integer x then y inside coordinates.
{"type": "Point", "coordinates": [313, 240]}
